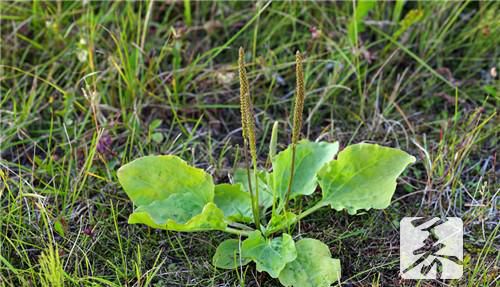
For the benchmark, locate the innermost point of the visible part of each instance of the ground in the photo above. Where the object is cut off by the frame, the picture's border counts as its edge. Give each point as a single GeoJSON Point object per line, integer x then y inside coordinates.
{"type": "Point", "coordinates": [88, 86]}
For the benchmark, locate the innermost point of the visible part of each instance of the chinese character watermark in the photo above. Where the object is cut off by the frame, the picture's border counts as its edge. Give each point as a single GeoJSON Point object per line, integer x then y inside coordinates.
{"type": "Point", "coordinates": [431, 248]}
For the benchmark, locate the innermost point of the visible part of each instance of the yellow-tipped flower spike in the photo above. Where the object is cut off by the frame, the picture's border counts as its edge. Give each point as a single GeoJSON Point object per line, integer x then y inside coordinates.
{"type": "Point", "coordinates": [299, 98]}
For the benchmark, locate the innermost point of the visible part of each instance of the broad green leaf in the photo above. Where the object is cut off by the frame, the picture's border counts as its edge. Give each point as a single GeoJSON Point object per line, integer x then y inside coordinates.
{"type": "Point", "coordinates": [309, 158]}
{"type": "Point", "coordinates": [362, 177]}
{"type": "Point", "coordinates": [235, 203]}
{"type": "Point", "coordinates": [280, 222]}
{"type": "Point", "coordinates": [170, 194]}
{"type": "Point", "coordinates": [157, 215]}
{"type": "Point", "coordinates": [313, 267]}
{"type": "Point", "coordinates": [228, 255]}
{"type": "Point", "coordinates": [265, 192]}
{"type": "Point", "coordinates": [152, 178]}
{"type": "Point", "coordinates": [270, 255]}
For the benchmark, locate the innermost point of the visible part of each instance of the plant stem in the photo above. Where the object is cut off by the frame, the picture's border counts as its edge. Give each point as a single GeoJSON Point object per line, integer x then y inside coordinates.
{"type": "Point", "coordinates": [255, 207]}
{"type": "Point", "coordinates": [308, 211]}
{"type": "Point", "coordinates": [305, 213]}
{"type": "Point", "coordinates": [240, 226]}
{"type": "Point", "coordinates": [237, 231]}
{"type": "Point", "coordinates": [289, 190]}
{"type": "Point", "coordinates": [256, 197]}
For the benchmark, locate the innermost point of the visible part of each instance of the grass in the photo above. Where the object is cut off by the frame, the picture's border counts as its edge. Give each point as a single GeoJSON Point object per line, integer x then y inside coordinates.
{"type": "Point", "coordinates": [84, 87]}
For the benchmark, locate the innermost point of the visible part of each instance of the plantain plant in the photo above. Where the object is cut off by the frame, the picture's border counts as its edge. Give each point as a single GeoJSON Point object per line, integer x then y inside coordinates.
{"type": "Point", "coordinates": [169, 194]}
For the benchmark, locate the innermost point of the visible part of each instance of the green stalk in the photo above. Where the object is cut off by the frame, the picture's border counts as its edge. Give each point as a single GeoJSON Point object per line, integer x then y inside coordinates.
{"type": "Point", "coordinates": [300, 216]}
{"type": "Point", "coordinates": [253, 154]}
{"type": "Point", "coordinates": [272, 152]}
{"type": "Point", "coordinates": [306, 212]}
{"type": "Point", "coordinates": [238, 231]}
{"type": "Point", "coordinates": [257, 223]}
{"type": "Point", "coordinates": [255, 212]}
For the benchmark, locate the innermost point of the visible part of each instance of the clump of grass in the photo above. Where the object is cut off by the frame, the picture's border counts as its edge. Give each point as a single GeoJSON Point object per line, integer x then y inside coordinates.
{"type": "Point", "coordinates": [51, 269]}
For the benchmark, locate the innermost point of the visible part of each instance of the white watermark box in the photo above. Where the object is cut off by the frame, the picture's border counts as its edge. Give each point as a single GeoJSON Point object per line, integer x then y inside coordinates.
{"type": "Point", "coordinates": [431, 248]}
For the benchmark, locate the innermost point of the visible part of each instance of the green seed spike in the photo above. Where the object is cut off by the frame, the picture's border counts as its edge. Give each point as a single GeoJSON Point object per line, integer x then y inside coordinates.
{"type": "Point", "coordinates": [243, 92]}
{"type": "Point", "coordinates": [299, 98]}
{"type": "Point", "coordinates": [248, 128]}
{"type": "Point", "coordinates": [297, 117]}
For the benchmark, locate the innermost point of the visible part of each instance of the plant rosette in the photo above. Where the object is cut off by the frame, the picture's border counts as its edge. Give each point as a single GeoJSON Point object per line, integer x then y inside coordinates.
{"type": "Point", "coordinates": [169, 194]}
